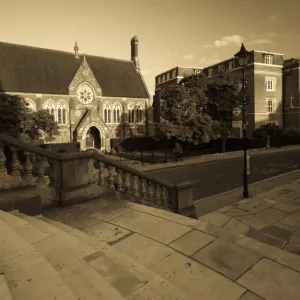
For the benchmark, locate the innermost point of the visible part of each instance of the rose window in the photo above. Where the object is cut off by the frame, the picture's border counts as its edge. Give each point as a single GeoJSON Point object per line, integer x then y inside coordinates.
{"type": "Point", "coordinates": [85, 94]}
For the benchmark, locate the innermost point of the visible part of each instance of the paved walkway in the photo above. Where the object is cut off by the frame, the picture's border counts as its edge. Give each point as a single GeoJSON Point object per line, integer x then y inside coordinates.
{"type": "Point", "coordinates": [204, 158]}
{"type": "Point", "coordinates": [219, 257]}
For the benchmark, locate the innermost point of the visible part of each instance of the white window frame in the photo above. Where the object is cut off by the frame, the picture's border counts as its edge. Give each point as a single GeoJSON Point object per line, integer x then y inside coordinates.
{"type": "Point", "coordinates": [231, 65]}
{"type": "Point", "coordinates": [131, 113]}
{"type": "Point", "coordinates": [292, 99]}
{"type": "Point", "coordinates": [60, 106]}
{"type": "Point", "coordinates": [107, 115]}
{"type": "Point", "coordinates": [197, 71]}
{"type": "Point", "coordinates": [270, 108]}
{"type": "Point", "coordinates": [210, 72]}
{"type": "Point", "coordinates": [268, 59]}
{"type": "Point", "coordinates": [30, 104]}
{"type": "Point", "coordinates": [270, 87]}
{"type": "Point", "coordinates": [50, 106]}
{"type": "Point", "coordinates": [116, 113]}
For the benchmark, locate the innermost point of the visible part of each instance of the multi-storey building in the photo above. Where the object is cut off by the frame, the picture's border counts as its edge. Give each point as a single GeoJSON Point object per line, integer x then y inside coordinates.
{"type": "Point", "coordinates": [92, 98]}
{"type": "Point", "coordinates": [291, 93]}
{"type": "Point", "coordinates": [165, 79]}
{"type": "Point", "coordinates": [263, 88]}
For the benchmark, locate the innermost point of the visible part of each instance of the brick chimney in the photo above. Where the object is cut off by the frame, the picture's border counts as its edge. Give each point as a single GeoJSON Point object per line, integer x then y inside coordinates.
{"type": "Point", "coordinates": [134, 52]}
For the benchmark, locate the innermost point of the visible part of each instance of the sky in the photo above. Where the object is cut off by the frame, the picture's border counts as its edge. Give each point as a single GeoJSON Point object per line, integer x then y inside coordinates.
{"type": "Point", "coordinates": [190, 33]}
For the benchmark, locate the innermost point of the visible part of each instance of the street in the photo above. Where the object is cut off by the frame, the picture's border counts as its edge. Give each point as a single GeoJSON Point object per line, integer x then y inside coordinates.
{"type": "Point", "coordinates": [220, 176]}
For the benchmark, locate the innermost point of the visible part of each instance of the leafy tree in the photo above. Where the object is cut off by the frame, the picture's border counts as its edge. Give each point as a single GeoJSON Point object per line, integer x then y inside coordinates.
{"type": "Point", "coordinates": [183, 113]}
{"type": "Point", "coordinates": [18, 121]}
{"type": "Point", "coordinates": [269, 131]}
{"type": "Point", "coordinates": [223, 94]}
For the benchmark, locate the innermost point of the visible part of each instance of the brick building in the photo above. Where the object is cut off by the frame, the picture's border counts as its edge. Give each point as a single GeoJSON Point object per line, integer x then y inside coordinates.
{"type": "Point", "coordinates": [92, 98]}
{"type": "Point", "coordinates": [291, 93]}
{"type": "Point", "coordinates": [264, 75]}
{"type": "Point", "coordinates": [167, 78]}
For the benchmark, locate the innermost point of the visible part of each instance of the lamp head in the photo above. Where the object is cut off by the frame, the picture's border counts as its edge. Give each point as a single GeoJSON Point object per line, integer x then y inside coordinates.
{"type": "Point", "coordinates": [242, 56]}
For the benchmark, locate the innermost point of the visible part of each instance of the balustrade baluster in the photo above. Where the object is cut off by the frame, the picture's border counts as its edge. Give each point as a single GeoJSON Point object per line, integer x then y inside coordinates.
{"type": "Point", "coordinates": [150, 192]}
{"type": "Point", "coordinates": [28, 170]}
{"type": "Point", "coordinates": [4, 177]}
{"type": "Point", "coordinates": [126, 183]}
{"type": "Point", "coordinates": [119, 181]}
{"type": "Point", "coordinates": [41, 170]}
{"type": "Point", "coordinates": [101, 174]}
{"type": "Point", "coordinates": [111, 179]}
{"type": "Point", "coordinates": [15, 169]}
{"type": "Point", "coordinates": [164, 202]}
{"type": "Point", "coordinates": [135, 189]}
{"type": "Point", "coordinates": [157, 195]}
{"type": "Point", "coordinates": [144, 190]}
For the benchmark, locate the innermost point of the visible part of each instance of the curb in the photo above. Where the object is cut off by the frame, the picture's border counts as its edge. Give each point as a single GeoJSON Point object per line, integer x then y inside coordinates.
{"type": "Point", "coordinates": [250, 185]}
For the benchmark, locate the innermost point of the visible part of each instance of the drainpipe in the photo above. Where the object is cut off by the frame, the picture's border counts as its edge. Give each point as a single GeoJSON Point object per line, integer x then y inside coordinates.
{"type": "Point", "coordinates": [61, 183]}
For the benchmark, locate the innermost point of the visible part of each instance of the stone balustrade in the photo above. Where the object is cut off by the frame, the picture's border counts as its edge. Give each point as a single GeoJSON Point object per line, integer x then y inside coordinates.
{"type": "Point", "coordinates": [75, 177]}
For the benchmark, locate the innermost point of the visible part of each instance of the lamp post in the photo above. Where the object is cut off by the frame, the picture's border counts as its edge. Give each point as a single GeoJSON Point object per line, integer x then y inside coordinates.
{"type": "Point", "coordinates": [243, 58]}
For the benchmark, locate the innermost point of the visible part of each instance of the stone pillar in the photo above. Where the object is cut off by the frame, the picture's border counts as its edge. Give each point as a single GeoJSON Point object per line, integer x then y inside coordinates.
{"type": "Point", "coordinates": [184, 199]}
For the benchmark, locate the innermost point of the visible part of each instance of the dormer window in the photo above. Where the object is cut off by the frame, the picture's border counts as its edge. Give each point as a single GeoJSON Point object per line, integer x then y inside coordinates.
{"type": "Point", "coordinates": [268, 59]}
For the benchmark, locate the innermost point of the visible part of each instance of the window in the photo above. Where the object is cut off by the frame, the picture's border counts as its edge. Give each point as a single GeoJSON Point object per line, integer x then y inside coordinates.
{"type": "Point", "coordinates": [30, 104]}
{"type": "Point", "coordinates": [166, 78]}
{"type": "Point", "coordinates": [50, 106]}
{"type": "Point", "coordinates": [131, 113]}
{"type": "Point", "coordinates": [292, 100]}
{"type": "Point", "coordinates": [173, 73]}
{"type": "Point", "coordinates": [210, 71]}
{"type": "Point", "coordinates": [268, 59]}
{"type": "Point", "coordinates": [61, 113]}
{"type": "Point", "coordinates": [231, 65]}
{"type": "Point", "coordinates": [107, 113]}
{"type": "Point", "coordinates": [270, 84]}
{"type": "Point", "coordinates": [116, 112]}
{"type": "Point", "coordinates": [197, 71]}
{"type": "Point", "coordinates": [139, 113]}
{"type": "Point", "coordinates": [270, 105]}
{"type": "Point", "coordinates": [156, 80]}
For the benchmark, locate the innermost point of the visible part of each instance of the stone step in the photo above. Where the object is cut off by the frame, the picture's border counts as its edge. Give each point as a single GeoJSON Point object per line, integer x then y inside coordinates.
{"type": "Point", "coordinates": [66, 254]}
{"type": "Point", "coordinates": [29, 275]}
{"type": "Point", "coordinates": [157, 288]}
{"type": "Point", "coordinates": [5, 293]}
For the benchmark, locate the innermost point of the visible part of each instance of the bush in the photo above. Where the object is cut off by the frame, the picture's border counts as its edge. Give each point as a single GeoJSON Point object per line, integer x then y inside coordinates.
{"type": "Point", "coordinates": [291, 136]}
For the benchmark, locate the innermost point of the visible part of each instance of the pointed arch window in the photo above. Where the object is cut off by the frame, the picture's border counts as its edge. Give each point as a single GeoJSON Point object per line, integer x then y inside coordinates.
{"type": "Point", "coordinates": [139, 113]}
{"type": "Point", "coordinates": [30, 104]}
{"type": "Point", "coordinates": [107, 113]}
{"type": "Point", "coordinates": [131, 113]}
{"type": "Point", "coordinates": [50, 106]}
{"type": "Point", "coordinates": [116, 112]}
{"type": "Point", "coordinates": [62, 110]}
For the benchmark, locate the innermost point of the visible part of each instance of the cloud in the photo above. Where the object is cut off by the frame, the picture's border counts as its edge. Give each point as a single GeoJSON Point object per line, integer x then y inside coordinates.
{"type": "Point", "coordinates": [273, 18]}
{"type": "Point", "coordinates": [207, 46]}
{"type": "Point", "coordinates": [260, 41]}
{"type": "Point", "coordinates": [188, 56]}
{"type": "Point", "coordinates": [228, 40]}
{"type": "Point", "coordinates": [271, 34]}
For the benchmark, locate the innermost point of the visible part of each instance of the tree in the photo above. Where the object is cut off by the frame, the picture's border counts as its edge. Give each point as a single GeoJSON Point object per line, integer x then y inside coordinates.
{"type": "Point", "coordinates": [223, 94]}
{"type": "Point", "coordinates": [269, 131]}
{"type": "Point", "coordinates": [183, 111]}
{"type": "Point", "coordinates": [18, 121]}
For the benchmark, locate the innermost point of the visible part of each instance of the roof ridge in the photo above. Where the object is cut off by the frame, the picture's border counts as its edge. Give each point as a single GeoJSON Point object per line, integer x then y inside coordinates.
{"type": "Point", "coordinates": [63, 51]}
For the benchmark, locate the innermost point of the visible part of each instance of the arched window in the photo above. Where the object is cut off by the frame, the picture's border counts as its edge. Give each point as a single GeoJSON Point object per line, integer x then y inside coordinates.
{"type": "Point", "coordinates": [50, 106]}
{"type": "Point", "coordinates": [139, 113]}
{"type": "Point", "coordinates": [116, 112]}
{"type": "Point", "coordinates": [131, 113]}
{"type": "Point", "coordinates": [107, 113]}
{"type": "Point", "coordinates": [30, 104]}
{"type": "Point", "coordinates": [62, 110]}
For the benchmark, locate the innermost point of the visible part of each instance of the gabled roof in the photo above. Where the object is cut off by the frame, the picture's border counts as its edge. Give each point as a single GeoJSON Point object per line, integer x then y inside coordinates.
{"type": "Point", "coordinates": [44, 71]}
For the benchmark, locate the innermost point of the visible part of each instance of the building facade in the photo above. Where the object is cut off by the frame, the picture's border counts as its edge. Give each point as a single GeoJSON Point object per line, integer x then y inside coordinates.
{"type": "Point", "coordinates": [92, 98]}
{"type": "Point", "coordinates": [291, 93]}
{"type": "Point", "coordinates": [165, 79]}
{"type": "Point", "coordinates": [264, 77]}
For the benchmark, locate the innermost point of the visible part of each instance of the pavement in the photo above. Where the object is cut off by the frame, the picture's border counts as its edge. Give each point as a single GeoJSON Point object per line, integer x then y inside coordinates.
{"type": "Point", "coordinates": [248, 250]}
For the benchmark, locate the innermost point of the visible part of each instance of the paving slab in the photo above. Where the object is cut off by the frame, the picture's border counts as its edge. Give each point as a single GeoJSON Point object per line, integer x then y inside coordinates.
{"type": "Point", "coordinates": [236, 226]}
{"type": "Point", "coordinates": [191, 242]}
{"type": "Point", "coordinates": [272, 281]}
{"type": "Point", "coordinates": [270, 216]}
{"type": "Point", "coordinates": [250, 296]}
{"type": "Point", "coordinates": [293, 248]}
{"type": "Point", "coordinates": [226, 258]}
{"type": "Point", "coordinates": [148, 251]}
{"type": "Point", "coordinates": [278, 232]}
{"type": "Point", "coordinates": [252, 221]}
{"type": "Point", "coordinates": [196, 279]}
{"type": "Point", "coordinates": [234, 212]}
{"type": "Point", "coordinates": [215, 218]}
{"type": "Point", "coordinates": [156, 228]}
{"type": "Point", "coordinates": [292, 219]}
{"type": "Point", "coordinates": [5, 293]}
{"type": "Point", "coordinates": [106, 232]}
{"type": "Point", "coordinates": [110, 212]}
{"type": "Point", "coordinates": [287, 207]}
{"type": "Point", "coordinates": [257, 207]}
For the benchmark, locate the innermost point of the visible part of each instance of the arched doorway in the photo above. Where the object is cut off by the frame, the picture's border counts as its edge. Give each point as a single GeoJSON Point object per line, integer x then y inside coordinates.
{"type": "Point", "coordinates": [93, 138]}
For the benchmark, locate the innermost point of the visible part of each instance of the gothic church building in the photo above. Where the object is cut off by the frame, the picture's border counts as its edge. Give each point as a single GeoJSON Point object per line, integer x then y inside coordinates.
{"type": "Point", "coordinates": [92, 98]}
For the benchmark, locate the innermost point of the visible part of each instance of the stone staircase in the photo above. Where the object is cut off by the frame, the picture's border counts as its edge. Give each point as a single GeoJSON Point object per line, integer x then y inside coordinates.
{"type": "Point", "coordinates": [111, 249]}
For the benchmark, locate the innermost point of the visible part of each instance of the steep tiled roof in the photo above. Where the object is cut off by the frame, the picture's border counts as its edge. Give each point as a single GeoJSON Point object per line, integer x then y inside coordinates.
{"type": "Point", "coordinates": [44, 71]}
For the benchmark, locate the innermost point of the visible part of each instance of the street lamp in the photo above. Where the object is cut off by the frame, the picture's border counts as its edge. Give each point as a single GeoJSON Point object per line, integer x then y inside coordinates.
{"type": "Point", "coordinates": [243, 58]}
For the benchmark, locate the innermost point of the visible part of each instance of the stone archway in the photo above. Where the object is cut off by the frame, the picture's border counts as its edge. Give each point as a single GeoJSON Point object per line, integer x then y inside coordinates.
{"type": "Point", "coordinates": [93, 137]}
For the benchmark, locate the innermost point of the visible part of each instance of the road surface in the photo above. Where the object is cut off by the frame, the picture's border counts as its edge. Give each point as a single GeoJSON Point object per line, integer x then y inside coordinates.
{"type": "Point", "coordinates": [220, 176]}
